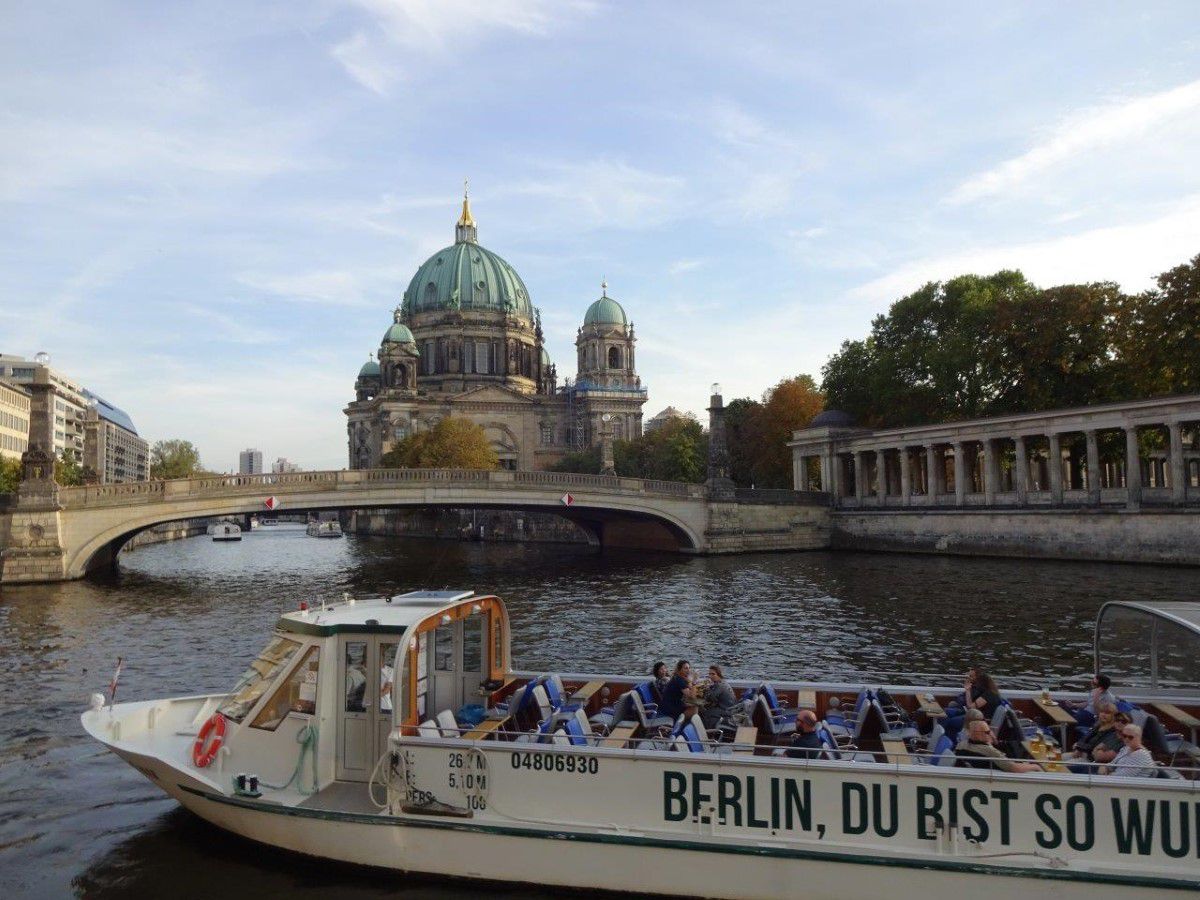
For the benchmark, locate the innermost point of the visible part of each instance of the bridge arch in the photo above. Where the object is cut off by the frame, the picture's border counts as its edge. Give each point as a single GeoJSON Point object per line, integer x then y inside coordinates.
{"type": "Point", "coordinates": [619, 512]}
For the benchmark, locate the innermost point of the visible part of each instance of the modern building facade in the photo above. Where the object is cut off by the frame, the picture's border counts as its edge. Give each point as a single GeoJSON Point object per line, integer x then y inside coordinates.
{"type": "Point", "coordinates": [250, 462]}
{"type": "Point", "coordinates": [70, 399]}
{"type": "Point", "coordinates": [283, 465]}
{"type": "Point", "coordinates": [14, 420]}
{"type": "Point", "coordinates": [1117, 454]}
{"type": "Point", "coordinates": [467, 341]}
{"type": "Point", "coordinates": [112, 449]}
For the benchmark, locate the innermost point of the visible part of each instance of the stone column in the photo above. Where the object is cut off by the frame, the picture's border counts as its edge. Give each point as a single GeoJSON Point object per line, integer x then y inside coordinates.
{"type": "Point", "coordinates": [1093, 467]}
{"type": "Point", "coordinates": [960, 474]}
{"type": "Point", "coordinates": [1133, 469]}
{"type": "Point", "coordinates": [1054, 470]}
{"type": "Point", "coordinates": [860, 471]}
{"type": "Point", "coordinates": [1178, 472]}
{"type": "Point", "coordinates": [881, 476]}
{"type": "Point", "coordinates": [607, 464]}
{"type": "Point", "coordinates": [833, 464]}
{"type": "Point", "coordinates": [989, 471]}
{"type": "Point", "coordinates": [905, 487]}
{"type": "Point", "coordinates": [720, 485]}
{"type": "Point", "coordinates": [931, 473]}
{"type": "Point", "coordinates": [1021, 470]}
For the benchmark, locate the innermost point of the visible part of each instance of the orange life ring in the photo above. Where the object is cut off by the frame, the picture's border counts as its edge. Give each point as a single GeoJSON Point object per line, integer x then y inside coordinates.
{"type": "Point", "coordinates": [204, 751]}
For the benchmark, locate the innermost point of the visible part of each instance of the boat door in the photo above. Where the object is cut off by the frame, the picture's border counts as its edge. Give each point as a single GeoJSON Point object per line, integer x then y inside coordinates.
{"type": "Point", "coordinates": [459, 663]}
{"type": "Point", "coordinates": [366, 670]}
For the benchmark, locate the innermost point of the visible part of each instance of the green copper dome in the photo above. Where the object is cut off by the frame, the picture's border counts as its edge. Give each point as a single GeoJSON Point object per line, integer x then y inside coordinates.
{"type": "Point", "coordinates": [467, 276]}
{"type": "Point", "coordinates": [605, 311]}
{"type": "Point", "coordinates": [398, 333]}
{"type": "Point", "coordinates": [545, 357]}
{"type": "Point", "coordinates": [370, 369]}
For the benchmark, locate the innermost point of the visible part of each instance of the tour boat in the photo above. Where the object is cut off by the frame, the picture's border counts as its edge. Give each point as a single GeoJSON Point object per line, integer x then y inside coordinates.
{"type": "Point", "coordinates": [324, 530]}
{"type": "Point", "coordinates": [393, 732]}
{"type": "Point", "coordinates": [225, 531]}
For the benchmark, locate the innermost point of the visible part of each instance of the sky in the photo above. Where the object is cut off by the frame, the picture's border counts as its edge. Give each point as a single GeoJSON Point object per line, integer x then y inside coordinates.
{"type": "Point", "coordinates": [209, 210]}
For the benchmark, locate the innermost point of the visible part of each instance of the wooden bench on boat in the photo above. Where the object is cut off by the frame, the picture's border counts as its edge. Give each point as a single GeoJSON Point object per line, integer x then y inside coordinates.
{"type": "Point", "coordinates": [1181, 716]}
{"type": "Point", "coordinates": [585, 692]}
{"type": "Point", "coordinates": [744, 740]}
{"type": "Point", "coordinates": [486, 727]}
{"type": "Point", "coordinates": [896, 752]}
{"type": "Point", "coordinates": [932, 708]}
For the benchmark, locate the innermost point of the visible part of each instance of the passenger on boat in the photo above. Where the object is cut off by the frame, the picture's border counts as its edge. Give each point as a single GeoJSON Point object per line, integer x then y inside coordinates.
{"type": "Point", "coordinates": [1086, 711]}
{"type": "Point", "coordinates": [1102, 742]}
{"type": "Point", "coordinates": [981, 743]}
{"type": "Point", "coordinates": [719, 700]}
{"type": "Point", "coordinates": [979, 692]}
{"type": "Point", "coordinates": [1133, 760]}
{"type": "Point", "coordinates": [972, 715]}
{"type": "Point", "coordinates": [387, 672]}
{"type": "Point", "coordinates": [659, 676]}
{"type": "Point", "coordinates": [356, 677]}
{"type": "Point", "coordinates": [806, 742]}
{"type": "Point", "coordinates": [679, 695]}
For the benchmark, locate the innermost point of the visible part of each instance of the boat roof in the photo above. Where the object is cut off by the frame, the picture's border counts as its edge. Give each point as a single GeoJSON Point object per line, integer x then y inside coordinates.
{"type": "Point", "coordinates": [1185, 613]}
{"type": "Point", "coordinates": [377, 615]}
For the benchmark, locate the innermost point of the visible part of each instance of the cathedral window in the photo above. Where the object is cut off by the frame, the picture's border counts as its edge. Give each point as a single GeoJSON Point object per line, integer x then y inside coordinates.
{"type": "Point", "coordinates": [468, 357]}
{"type": "Point", "coordinates": [547, 433]}
{"type": "Point", "coordinates": [431, 293]}
{"type": "Point", "coordinates": [618, 430]}
{"type": "Point", "coordinates": [614, 357]}
{"type": "Point", "coordinates": [428, 357]}
{"type": "Point", "coordinates": [592, 356]}
{"type": "Point", "coordinates": [482, 362]}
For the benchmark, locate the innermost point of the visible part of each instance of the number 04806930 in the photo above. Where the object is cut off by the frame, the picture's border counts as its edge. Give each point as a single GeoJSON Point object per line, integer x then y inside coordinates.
{"type": "Point", "coordinates": [556, 762]}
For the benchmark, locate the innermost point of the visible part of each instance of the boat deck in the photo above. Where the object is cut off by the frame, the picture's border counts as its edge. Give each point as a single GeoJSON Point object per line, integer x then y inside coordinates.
{"type": "Point", "coordinates": [343, 797]}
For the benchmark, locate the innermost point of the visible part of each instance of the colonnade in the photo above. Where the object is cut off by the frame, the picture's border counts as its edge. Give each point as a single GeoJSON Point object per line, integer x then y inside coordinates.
{"type": "Point", "coordinates": [1117, 454]}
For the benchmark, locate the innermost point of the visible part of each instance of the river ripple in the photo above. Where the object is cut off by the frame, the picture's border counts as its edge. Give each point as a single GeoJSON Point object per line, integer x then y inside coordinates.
{"type": "Point", "coordinates": [187, 616]}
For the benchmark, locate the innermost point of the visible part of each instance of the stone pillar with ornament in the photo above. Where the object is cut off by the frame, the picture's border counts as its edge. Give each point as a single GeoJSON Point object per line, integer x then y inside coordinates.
{"type": "Point", "coordinates": [720, 485]}
{"type": "Point", "coordinates": [608, 465]}
{"type": "Point", "coordinates": [33, 551]}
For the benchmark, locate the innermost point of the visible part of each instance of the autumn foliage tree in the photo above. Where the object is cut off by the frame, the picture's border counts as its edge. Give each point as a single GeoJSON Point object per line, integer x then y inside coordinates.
{"type": "Point", "coordinates": [758, 432]}
{"type": "Point", "coordinates": [453, 443]}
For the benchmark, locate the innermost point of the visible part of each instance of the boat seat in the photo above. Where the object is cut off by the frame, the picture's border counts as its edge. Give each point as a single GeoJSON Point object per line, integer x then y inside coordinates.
{"type": "Point", "coordinates": [767, 722]}
{"type": "Point", "coordinates": [898, 724]}
{"type": "Point", "coordinates": [556, 693]}
{"type": "Point", "coordinates": [428, 729]}
{"type": "Point", "coordinates": [447, 724]}
{"type": "Point", "coordinates": [645, 692]}
{"type": "Point", "coordinates": [849, 725]}
{"type": "Point", "coordinates": [650, 722]}
{"type": "Point", "coordinates": [620, 712]}
{"type": "Point", "coordinates": [694, 740]}
{"type": "Point", "coordinates": [777, 706]}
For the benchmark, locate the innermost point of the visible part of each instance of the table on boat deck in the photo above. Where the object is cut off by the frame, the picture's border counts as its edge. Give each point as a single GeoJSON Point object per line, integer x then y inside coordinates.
{"type": "Point", "coordinates": [744, 739]}
{"type": "Point", "coordinates": [618, 737]}
{"type": "Point", "coordinates": [586, 691]}
{"type": "Point", "coordinates": [1043, 759]}
{"type": "Point", "coordinates": [484, 728]}
{"type": "Point", "coordinates": [896, 752]}
{"type": "Point", "coordinates": [1059, 716]}
{"type": "Point", "coordinates": [1182, 716]}
{"type": "Point", "coordinates": [932, 708]}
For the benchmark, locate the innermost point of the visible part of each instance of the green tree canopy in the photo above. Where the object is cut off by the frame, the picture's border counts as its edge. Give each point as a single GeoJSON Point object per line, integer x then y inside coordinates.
{"type": "Point", "coordinates": [676, 451]}
{"type": "Point", "coordinates": [67, 469]}
{"type": "Point", "coordinates": [174, 459]}
{"type": "Point", "coordinates": [453, 443]}
{"type": "Point", "coordinates": [758, 432]}
{"type": "Point", "coordinates": [10, 475]}
{"type": "Point", "coordinates": [989, 345]}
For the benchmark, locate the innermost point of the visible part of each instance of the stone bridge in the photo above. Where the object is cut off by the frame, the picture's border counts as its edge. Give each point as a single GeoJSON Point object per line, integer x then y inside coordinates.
{"type": "Point", "coordinates": [52, 533]}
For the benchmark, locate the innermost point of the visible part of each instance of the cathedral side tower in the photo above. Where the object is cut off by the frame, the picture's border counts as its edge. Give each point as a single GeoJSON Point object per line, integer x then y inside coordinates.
{"type": "Point", "coordinates": [606, 380]}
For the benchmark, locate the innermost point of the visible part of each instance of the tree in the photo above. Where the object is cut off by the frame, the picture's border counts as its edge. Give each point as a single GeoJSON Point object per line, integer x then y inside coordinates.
{"type": "Point", "coordinates": [453, 443]}
{"type": "Point", "coordinates": [67, 469]}
{"type": "Point", "coordinates": [675, 451]}
{"type": "Point", "coordinates": [787, 406]}
{"type": "Point", "coordinates": [174, 459]}
{"type": "Point", "coordinates": [586, 462]}
{"type": "Point", "coordinates": [740, 424]}
{"type": "Point", "coordinates": [10, 475]}
{"type": "Point", "coordinates": [1156, 335]}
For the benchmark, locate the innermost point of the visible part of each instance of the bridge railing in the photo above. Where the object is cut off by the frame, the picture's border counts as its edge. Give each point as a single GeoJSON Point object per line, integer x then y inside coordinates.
{"type": "Point", "coordinates": [135, 492]}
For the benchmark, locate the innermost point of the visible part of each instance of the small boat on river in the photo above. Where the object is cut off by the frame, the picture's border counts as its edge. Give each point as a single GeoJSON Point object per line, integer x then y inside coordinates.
{"type": "Point", "coordinates": [225, 531]}
{"type": "Point", "coordinates": [324, 530]}
{"type": "Point", "coordinates": [393, 732]}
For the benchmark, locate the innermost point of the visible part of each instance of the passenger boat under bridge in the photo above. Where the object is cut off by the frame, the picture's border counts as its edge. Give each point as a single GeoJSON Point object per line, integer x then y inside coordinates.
{"type": "Point", "coordinates": [346, 739]}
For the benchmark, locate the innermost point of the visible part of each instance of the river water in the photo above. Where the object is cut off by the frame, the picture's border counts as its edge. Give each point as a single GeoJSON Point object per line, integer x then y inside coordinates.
{"type": "Point", "coordinates": [188, 615]}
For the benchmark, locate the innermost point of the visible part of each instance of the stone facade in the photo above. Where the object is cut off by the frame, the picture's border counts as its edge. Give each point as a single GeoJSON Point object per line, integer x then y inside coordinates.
{"type": "Point", "coordinates": [14, 420]}
{"type": "Point", "coordinates": [467, 342]}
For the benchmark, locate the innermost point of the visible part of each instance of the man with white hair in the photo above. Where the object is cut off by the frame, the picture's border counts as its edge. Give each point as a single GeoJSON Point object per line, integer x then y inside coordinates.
{"type": "Point", "coordinates": [1132, 760]}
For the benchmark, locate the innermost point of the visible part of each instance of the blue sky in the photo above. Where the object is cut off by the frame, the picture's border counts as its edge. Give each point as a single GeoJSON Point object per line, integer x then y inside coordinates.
{"type": "Point", "coordinates": [208, 211]}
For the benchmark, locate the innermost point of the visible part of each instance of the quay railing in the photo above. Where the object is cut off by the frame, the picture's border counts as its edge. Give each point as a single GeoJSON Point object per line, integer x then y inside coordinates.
{"type": "Point", "coordinates": [135, 492]}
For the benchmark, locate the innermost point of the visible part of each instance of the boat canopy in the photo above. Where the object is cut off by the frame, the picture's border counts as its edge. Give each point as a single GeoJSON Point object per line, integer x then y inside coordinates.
{"type": "Point", "coordinates": [1152, 645]}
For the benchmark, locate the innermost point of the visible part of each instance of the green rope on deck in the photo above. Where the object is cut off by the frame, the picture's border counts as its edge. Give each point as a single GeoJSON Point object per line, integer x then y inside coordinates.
{"type": "Point", "coordinates": [306, 737]}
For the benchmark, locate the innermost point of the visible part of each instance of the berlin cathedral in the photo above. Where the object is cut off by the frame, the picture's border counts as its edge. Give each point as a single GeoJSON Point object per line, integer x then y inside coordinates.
{"type": "Point", "coordinates": [467, 341]}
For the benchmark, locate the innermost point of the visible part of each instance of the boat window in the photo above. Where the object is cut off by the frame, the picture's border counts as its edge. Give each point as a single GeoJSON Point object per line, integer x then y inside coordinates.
{"type": "Point", "coordinates": [298, 693]}
{"type": "Point", "coordinates": [473, 645]}
{"type": "Point", "coordinates": [256, 679]}
{"type": "Point", "coordinates": [1178, 664]}
{"type": "Point", "coordinates": [443, 649]}
{"type": "Point", "coordinates": [1124, 639]}
{"type": "Point", "coordinates": [387, 675]}
{"type": "Point", "coordinates": [356, 676]}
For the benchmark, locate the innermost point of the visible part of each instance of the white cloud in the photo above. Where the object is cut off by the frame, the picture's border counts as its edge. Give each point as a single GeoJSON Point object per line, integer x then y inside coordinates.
{"type": "Point", "coordinates": [1130, 254]}
{"type": "Point", "coordinates": [408, 31]}
{"type": "Point", "coordinates": [1126, 120]}
{"type": "Point", "coordinates": [684, 265]}
{"type": "Point", "coordinates": [605, 193]}
{"type": "Point", "coordinates": [358, 288]}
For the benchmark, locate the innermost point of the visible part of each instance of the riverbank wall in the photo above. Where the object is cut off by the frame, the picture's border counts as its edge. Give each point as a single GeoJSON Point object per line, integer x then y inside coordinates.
{"type": "Point", "coordinates": [1110, 535]}
{"type": "Point", "coordinates": [168, 531]}
{"type": "Point", "coordinates": [468, 525]}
